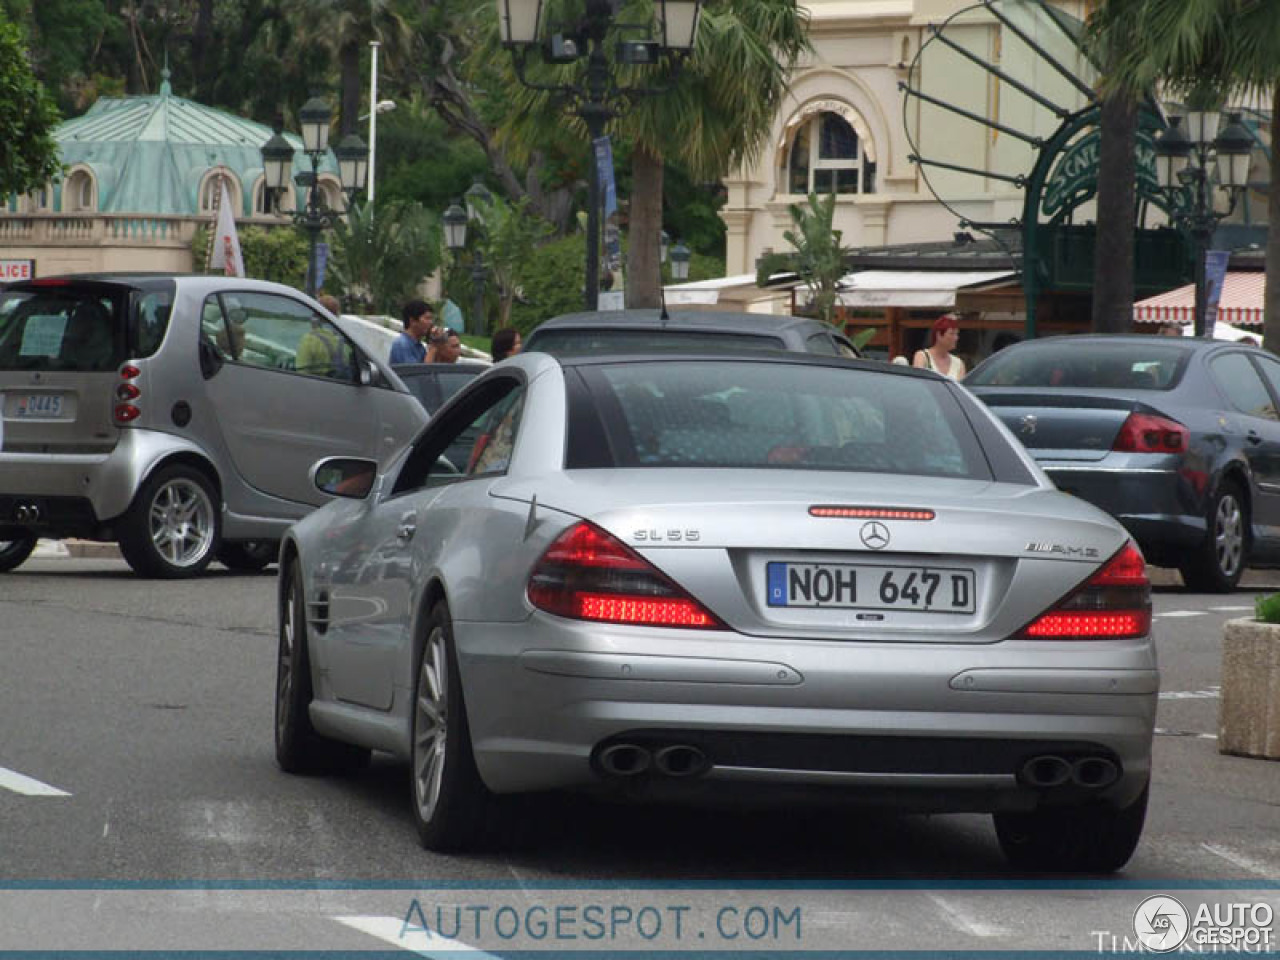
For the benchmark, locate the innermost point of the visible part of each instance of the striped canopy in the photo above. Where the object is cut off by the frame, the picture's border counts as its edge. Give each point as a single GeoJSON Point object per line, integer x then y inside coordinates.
{"type": "Point", "coordinates": [1239, 305]}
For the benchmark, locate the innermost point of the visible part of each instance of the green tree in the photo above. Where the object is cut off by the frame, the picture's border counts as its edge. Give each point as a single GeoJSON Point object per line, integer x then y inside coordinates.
{"type": "Point", "coordinates": [378, 262]}
{"type": "Point", "coordinates": [28, 152]}
{"type": "Point", "coordinates": [552, 284]}
{"type": "Point", "coordinates": [817, 257]}
{"type": "Point", "coordinates": [510, 233]}
{"type": "Point", "coordinates": [1196, 46]}
{"type": "Point", "coordinates": [278, 254]}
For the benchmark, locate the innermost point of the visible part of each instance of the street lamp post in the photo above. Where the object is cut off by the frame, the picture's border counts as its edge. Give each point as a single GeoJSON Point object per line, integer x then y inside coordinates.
{"type": "Point", "coordinates": [1185, 162]}
{"type": "Point", "coordinates": [456, 219]}
{"type": "Point", "coordinates": [353, 166]}
{"type": "Point", "coordinates": [595, 97]}
{"type": "Point", "coordinates": [680, 257]}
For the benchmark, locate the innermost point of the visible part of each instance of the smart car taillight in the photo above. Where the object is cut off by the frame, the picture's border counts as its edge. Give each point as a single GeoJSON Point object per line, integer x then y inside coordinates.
{"type": "Point", "coordinates": [1113, 604]}
{"type": "Point", "coordinates": [588, 574]}
{"type": "Point", "coordinates": [126, 410]}
{"type": "Point", "coordinates": [1147, 433]}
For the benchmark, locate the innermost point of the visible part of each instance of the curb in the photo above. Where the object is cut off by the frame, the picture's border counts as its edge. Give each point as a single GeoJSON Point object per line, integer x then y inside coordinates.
{"type": "Point", "coordinates": [76, 548]}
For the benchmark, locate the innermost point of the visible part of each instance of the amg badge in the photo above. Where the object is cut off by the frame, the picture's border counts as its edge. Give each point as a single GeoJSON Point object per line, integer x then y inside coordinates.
{"type": "Point", "coordinates": [1084, 553]}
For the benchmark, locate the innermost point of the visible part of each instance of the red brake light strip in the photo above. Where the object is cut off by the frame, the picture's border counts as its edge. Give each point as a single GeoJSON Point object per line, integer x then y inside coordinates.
{"type": "Point", "coordinates": [870, 513]}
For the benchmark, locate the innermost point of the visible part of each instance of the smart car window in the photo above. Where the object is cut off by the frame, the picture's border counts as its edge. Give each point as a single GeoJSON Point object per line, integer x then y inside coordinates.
{"type": "Point", "coordinates": [62, 328]}
{"type": "Point", "coordinates": [280, 333]}
{"type": "Point", "coordinates": [792, 416]}
{"type": "Point", "coordinates": [213, 328]}
{"type": "Point", "coordinates": [1239, 382]}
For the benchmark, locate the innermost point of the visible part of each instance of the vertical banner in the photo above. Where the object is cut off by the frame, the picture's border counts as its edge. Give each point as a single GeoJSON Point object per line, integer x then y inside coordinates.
{"type": "Point", "coordinates": [611, 295]}
{"type": "Point", "coordinates": [604, 166]}
{"type": "Point", "coordinates": [1215, 275]}
{"type": "Point", "coordinates": [226, 242]}
{"type": "Point", "coordinates": [322, 263]}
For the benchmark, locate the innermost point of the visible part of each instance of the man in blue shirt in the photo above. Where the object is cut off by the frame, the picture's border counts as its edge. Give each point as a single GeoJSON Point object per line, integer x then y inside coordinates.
{"type": "Point", "coordinates": [418, 321]}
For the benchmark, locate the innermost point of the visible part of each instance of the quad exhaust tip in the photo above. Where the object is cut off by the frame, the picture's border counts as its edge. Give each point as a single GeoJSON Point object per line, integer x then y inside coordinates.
{"type": "Point", "coordinates": [1050, 770]}
{"type": "Point", "coordinates": [625, 760]}
{"type": "Point", "coordinates": [678, 760]}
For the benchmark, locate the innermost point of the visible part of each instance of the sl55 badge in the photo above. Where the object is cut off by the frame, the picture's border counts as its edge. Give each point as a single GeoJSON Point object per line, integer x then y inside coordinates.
{"type": "Point", "coordinates": [666, 536]}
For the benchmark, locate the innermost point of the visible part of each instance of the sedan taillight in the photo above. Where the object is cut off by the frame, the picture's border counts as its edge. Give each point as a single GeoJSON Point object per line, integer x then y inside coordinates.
{"type": "Point", "coordinates": [588, 574]}
{"type": "Point", "coordinates": [1114, 604]}
{"type": "Point", "coordinates": [1147, 433]}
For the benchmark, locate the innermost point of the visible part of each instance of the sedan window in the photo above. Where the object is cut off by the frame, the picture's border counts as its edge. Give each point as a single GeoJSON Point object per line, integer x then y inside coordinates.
{"type": "Point", "coordinates": [1239, 383]}
{"type": "Point", "coordinates": [1091, 364]}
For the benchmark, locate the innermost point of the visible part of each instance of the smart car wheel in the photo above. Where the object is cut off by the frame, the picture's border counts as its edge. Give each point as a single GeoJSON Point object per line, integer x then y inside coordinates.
{"type": "Point", "coordinates": [171, 530]}
{"type": "Point", "coordinates": [299, 749]}
{"type": "Point", "coordinates": [247, 556]}
{"type": "Point", "coordinates": [449, 799]}
{"type": "Point", "coordinates": [1223, 555]}
{"type": "Point", "coordinates": [1095, 839]}
{"type": "Point", "coordinates": [14, 552]}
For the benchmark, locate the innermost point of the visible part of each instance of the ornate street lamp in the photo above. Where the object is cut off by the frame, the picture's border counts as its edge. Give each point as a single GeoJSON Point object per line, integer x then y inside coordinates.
{"type": "Point", "coordinates": [596, 96]}
{"type": "Point", "coordinates": [277, 163]}
{"type": "Point", "coordinates": [680, 257]}
{"type": "Point", "coordinates": [455, 227]}
{"type": "Point", "coordinates": [1186, 163]}
{"type": "Point", "coordinates": [477, 199]}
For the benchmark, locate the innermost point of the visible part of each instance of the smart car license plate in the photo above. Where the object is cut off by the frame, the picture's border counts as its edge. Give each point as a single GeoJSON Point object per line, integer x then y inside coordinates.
{"type": "Point", "coordinates": [38, 406]}
{"type": "Point", "coordinates": [867, 587]}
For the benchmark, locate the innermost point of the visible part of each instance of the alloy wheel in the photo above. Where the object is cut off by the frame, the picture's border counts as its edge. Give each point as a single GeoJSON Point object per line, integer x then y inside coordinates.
{"type": "Point", "coordinates": [430, 724]}
{"type": "Point", "coordinates": [1228, 535]}
{"type": "Point", "coordinates": [284, 675]}
{"type": "Point", "coordinates": [181, 522]}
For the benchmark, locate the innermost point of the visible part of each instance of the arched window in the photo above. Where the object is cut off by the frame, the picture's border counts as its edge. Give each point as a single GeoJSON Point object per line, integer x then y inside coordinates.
{"type": "Point", "coordinates": [267, 205]}
{"type": "Point", "coordinates": [826, 156]}
{"type": "Point", "coordinates": [77, 193]}
{"type": "Point", "coordinates": [212, 185]}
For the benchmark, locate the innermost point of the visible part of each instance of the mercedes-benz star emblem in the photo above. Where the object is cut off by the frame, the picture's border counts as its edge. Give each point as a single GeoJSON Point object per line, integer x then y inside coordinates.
{"type": "Point", "coordinates": [875, 535]}
{"type": "Point", "coordinates": [1027, 425]}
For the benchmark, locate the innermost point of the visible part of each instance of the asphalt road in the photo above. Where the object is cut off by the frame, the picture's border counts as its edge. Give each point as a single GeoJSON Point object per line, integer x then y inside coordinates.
{"type": "Point", "coordinates": [148, 706]}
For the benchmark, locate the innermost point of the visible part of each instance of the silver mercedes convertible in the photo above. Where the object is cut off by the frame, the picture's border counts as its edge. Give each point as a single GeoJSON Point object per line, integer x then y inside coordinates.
{"type": "Point", "coordinates": [695, 577]}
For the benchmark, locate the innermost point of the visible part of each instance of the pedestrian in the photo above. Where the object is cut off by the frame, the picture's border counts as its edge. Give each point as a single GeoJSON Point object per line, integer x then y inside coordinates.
{"type": "Point", "coordinates": [418, 319]}
{"type": "Point", "coordinates": [1171, 330]}
{"type": "Point", "coordinates": [445, 346]}
{"type": "Point", "coordinates": [506, 343]}
{"type": "Point", "coordinates": [330, 303]}
{"type": "Point", "coordinates": [938, 356]}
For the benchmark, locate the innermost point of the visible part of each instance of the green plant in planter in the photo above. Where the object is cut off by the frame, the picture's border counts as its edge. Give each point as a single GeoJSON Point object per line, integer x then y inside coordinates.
{"type": "Point", "coordinates": [1266, 609]}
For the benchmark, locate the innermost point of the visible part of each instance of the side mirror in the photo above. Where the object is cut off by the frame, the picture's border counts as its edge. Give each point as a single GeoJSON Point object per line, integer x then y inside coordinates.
{"type": "Point", "coordinates": [350, 477]}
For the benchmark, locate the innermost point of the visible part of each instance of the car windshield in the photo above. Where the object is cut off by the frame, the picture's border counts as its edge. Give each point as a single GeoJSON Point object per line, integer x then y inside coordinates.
{"type": "Point", "coordinates": [595, 342]}
{"type": "Point", "coordinates": [1093, 364]}
{"type": "Point", "coordinates": [778, 415]}
{"type": "Point", "coordinates": [78, 328]}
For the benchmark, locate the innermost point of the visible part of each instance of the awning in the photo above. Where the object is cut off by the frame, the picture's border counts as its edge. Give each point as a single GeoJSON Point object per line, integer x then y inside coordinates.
{"type": "Point", "coordinates": [1240, 304]}
{"type": "Point", "coordinates": [739, 288]}
{"type": "Point", "coordinates": [912, 288]}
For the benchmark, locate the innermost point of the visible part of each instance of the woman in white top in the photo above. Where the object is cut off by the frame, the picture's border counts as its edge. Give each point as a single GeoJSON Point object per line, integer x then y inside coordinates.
{"type": "Point", "coordinates": [938, 357]}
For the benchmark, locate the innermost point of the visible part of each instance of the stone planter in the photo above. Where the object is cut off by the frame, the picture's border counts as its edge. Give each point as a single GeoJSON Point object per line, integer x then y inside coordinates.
{"type": "Point", "coordinates": [1249, 723]}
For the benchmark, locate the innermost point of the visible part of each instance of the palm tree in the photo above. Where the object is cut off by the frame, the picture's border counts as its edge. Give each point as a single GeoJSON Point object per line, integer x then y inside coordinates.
{"type": "Point", "coordinates": [818, 256]}
{"type": "Point", "coordinates": [711, 115]}
{"type": "Point", "coordinates": [1190, 46]}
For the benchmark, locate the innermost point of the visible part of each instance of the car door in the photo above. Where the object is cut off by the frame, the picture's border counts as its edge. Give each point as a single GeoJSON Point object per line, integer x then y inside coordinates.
{"type": "Point", "coordinates": [1270, 369]}
{"type": "Point", "coordinates": [1255, 421]}
{"type": "Point", "coordinates": [284, 391]}
{"type": "Point", "coordinates": [375, 586]}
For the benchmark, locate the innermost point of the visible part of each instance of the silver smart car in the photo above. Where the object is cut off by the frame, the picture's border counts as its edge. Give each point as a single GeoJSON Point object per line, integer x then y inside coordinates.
{"type": "Point", "coordinates": [719, 576]}
{"type": "Point", "coordinates": [178, 415]}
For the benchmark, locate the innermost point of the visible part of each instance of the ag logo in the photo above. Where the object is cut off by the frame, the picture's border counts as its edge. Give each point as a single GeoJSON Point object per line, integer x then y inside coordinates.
{"type": "Point", "coordinates": [875, 535]}
{"type": "Point", "coordinates": [1161, 923]}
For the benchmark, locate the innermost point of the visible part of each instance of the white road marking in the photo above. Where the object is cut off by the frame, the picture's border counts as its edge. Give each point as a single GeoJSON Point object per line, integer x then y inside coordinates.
{"type": "Point", "coordinates": [1187, 734]}
{"type": "Point", "coordinates": [1181, 613]}
{"type": "Point", "coordinates": [415, 940]}
{"type": "Point", "coordinates": [1232, 609]}
{"type": "Point", "coordinates": [27, 786]}
{"type": "Point", "coordinates": [1208, 693]}
{"type": "Point", "coordinates": [1240, 860]}
{"type": "Point", "coordinates": [962, 921]}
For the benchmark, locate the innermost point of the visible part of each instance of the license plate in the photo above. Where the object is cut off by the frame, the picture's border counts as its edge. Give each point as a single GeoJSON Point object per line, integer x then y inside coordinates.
{"type": "Point", "coordinates": [39, 406]}
{"type": "Point", "coordinates": [860, 586]}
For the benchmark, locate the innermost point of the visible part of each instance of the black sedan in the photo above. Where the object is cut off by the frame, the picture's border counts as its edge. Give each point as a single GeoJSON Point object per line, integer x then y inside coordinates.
{"type": "Point", "coordinates": [1178, 439]}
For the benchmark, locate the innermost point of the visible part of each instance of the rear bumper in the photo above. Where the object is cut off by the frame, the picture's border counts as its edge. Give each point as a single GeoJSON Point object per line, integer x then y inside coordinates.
{"type": "Point", "coordinates": [1157, 504]}
{"type": "Point", "coordinates": [916, 726]}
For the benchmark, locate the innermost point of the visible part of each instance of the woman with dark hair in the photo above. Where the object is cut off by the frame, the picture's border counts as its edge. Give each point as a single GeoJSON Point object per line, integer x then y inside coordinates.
{"type": "Point", "coordinates": [938, 357]}
{"type": "Point", "coordinates": [506, 343]}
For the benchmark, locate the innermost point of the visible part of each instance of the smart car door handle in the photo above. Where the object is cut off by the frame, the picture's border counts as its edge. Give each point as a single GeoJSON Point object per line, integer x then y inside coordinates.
{"type": "Point", "coordinates": [1255, 437]}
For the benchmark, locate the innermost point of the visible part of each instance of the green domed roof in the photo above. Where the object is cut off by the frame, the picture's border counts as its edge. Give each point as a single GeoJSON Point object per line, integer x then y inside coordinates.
{"type": "Point", "coordinates": [150, 153]}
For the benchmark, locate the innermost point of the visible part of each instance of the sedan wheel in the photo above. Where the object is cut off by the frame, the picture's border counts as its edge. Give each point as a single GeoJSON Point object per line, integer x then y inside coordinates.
{"type": "Point", "coordinates": [14, 552]}
{"type": "Point", "coordinates": [449, 799]}
{"type": "Point", "coordinates": [1224, 555]}
{"type": "Point", "coordinates": [172, 528]}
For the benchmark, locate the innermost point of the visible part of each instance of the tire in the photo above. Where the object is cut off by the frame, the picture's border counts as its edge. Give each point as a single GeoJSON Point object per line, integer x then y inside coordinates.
{"type": "Point", "coordinates": [13, 553]}
{"type": "Point", "coordinates": [1096, 839]}
{"type": "Point", "coordinates": [299, 749]}
{"type": "Point", "coordinates": [248, 556]}
{"type": "Point", "coordinates": [172, 529]}
{"type": "Point", "coordinates": [1221, 559]}
{"type": "Point", "coordinates": [450, 802]}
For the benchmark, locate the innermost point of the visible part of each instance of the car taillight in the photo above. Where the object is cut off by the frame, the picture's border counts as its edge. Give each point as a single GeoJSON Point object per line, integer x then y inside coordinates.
{"type": "Point", "coordinates": [126, 411]}
{"type": "Point", "coordinates": [1147, 433]}
{"type": "Point", "coordinates": [1113, 604]}
{"type": "Point", "coordinates": [588, 574]}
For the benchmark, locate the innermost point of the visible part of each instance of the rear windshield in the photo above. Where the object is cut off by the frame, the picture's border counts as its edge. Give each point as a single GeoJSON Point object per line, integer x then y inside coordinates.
{"type": "Point", "coordinates": [80, 328]}
{"type": "Point", "coordinates": [1128, 365]}
{"type": "Point", "coordinates": [568, 342]}
{"type": "Point", "coordinates": [774, 415]}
